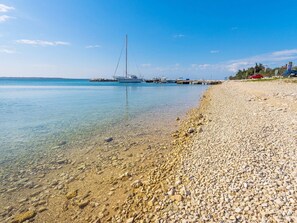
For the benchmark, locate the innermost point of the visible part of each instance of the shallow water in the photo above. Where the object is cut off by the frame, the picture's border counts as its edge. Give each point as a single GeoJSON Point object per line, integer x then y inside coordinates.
{"type": "Point", "coordinates": [37, 114]}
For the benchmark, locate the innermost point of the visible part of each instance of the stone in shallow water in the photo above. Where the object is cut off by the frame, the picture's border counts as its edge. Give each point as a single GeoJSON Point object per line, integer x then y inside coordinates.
{"type": "Point", "coordinates": [24, 216]}
{"type": "Point", "coordinates": [108, 139]}
{"type": "Point", "coordinates": [42, 209]}
{"type": "Point", "coordinates": [62, 143]}
{"type": "Point", "coordinates": [83, 204]}
{"type": "Point", "coordinates": [137, 184]}
{"type": "Point", "coordinates": [125, 176]}
{"type": "Point", "coordinates": [191, 130]}
{"type": "Point", "coordinates": [71, 194]}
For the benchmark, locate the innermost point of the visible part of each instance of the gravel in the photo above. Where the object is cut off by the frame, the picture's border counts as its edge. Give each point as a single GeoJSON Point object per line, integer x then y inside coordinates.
{"type": "Point", "coordinates": [241, 168]}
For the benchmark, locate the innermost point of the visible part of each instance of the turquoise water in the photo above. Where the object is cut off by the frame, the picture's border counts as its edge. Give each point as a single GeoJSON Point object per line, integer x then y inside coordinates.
{"type": "Point", "coordinates": [38, 113]}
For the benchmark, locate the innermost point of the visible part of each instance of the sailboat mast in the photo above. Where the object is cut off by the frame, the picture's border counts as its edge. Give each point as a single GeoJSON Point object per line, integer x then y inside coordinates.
{"type": "Point", "coordinates": [126, 55]}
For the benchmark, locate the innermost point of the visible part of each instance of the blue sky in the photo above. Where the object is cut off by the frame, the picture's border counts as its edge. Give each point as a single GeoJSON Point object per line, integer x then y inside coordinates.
{"type": "Point", "coordinates": [195, 39]}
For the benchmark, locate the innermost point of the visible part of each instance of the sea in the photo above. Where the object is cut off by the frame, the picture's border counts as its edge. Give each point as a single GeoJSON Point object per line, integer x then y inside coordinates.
{"type": "Point", "coordinates": [37, 114]}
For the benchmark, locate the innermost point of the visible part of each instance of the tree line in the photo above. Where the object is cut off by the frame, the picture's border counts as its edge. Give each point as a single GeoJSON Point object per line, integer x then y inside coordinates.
{"type": "Point", "coordinates": [259, 69]}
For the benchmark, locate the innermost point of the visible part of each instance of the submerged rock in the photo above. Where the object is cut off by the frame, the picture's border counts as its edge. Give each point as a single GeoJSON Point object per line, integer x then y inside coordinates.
{"type": "Point", "coordinates": [109, 139]}
{"type": "Point", "coordinates": [83, 204]}
{"type": "Point", "coordinates": [24, 216]}
{"type": "Point", "coordinates": [137, 184]}
{"type": "Point", "coordinates": [125, 176]}
{"type": "Point", "coordinates": [71, 194]}
{"type": "Point", "coordinates": [191, 130]}
{"type": "Point", "coordinates": [62, 143]}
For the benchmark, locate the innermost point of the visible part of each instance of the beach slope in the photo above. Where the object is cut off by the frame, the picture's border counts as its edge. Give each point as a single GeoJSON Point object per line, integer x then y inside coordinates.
{"type": "Point", "coordinates": [235, 160]}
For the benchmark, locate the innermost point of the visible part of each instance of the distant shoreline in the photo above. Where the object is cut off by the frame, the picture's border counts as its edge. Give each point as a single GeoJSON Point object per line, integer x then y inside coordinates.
{"type": "Point", "coordinates": [59, 78]}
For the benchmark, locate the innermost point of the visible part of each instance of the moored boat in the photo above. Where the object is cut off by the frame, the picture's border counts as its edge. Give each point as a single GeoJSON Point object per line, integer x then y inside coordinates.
{"type": "Point", "coordinates": [128, 78]}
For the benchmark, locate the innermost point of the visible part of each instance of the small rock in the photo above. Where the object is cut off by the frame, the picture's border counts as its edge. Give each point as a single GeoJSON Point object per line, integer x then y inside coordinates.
{"type": "Point", "coordinates": [178, 182]}
{"type": "Point", "coordinates": [130, 220]}
{"type": "Point", "coordinates": [177, 198]}
{"type": "Point", "coordinates": [109, 139]}
{"type": "Point", "coordinates": [136, 184]}
{"type": "Point", "coordinates": [125, 176]}
{"type": "Point", "coordinates": [152, 202]}
{"type": "Point", "coordinates": [237, 210]}
{"type": "Point", "coordinates": [81, 166]}
{"type": "Point", "coordinates": [264, 205]}
{"type": "Point", "coordinates": [24, 216]}
{"type": "Point", "coordinates": [54, 182]}
{"type": "Point", "coordinates": [42, 209]}
{"type": "Point", "coordinates": [60, 186]}
{"type": "Point", "coordinates": [9, 208]}
{"type": "Point", "coordinates": [232, 217]}
{"type": "Point", "coordinates": [62, 143]}
{"type": "Point", "coordinates": [23, 200]}
{"type": "Point", "coordinates": [62, 161]}
{"type": "Point", "coordinates": [191, 130]}
{"type": "Point", "coordinates": [279, 202]}
{"type": "Point", "coordinates": [12, 189]}
{"type": "Point", "coordinates": [83, 204]}
{"type": "Point", "coordinates": [171, 192]}
{"type": "Point", "coordinates": [71, 194]}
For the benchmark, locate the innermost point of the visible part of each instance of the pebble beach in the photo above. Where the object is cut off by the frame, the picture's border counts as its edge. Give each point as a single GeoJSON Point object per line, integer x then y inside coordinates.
{"type": "Point", "coordinates": [231, 159]}
{"type": "Point", "coordinates": [239, 164]}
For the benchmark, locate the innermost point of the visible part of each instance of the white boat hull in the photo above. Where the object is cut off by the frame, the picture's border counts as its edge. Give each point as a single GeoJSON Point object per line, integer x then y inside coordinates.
{"type": "Point", "coordinates": [129, 80]}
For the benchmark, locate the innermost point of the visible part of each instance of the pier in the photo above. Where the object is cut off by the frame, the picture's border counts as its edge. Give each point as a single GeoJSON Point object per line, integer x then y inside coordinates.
{"type": "Point", "coordinates": [164, 81]}
{"type": "Point", "coordinates": [201, 82]}
{"type": "Point", "coordinates": [102, 80]}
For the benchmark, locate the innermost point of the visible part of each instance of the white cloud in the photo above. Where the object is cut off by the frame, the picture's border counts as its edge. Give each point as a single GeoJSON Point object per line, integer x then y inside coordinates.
{"type": "Point", "coordinates": [204, 66]}
{"type": "Point", "coordinates": [275, 58]}
{"type": "Point", "coordinates": [234, 67]}
{"type": "Point", "coordinates": [4, 18]}
{"type": "Point", "coordinates": [170, 68]}
{"type": "Point", "coordinates": [42, 42]}
{"type": "Point", "coordinates": [5, 8]}
{"type": "Point", "coordinates": [268, 58]}
{"type": "Point", "coordinates": [93, 46]}
{"type": "Point", "coordinates": [7, 51]}
{"type": "Point", "coordinates": [285, 52]}
{"type": "Point", "coordinates": [178, 36]}
{"type": "Point", "coordinates": [200, 66]}
{"type": "Point", "coordinates": [214, 51]}
{"type": "Point", "coordinates": [146, 65]}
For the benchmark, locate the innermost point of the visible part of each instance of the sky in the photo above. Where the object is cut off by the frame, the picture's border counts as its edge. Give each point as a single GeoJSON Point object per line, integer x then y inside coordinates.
{"type": "Point", "coordinates": [171, 38]}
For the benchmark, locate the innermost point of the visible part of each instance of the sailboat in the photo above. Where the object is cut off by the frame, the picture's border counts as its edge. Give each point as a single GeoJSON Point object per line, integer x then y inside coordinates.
{"type": "Point", "coordinates": [128, 78]}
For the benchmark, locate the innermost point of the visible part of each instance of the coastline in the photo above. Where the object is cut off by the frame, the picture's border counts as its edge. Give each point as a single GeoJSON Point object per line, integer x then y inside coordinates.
{"type": "Point", "coordinates": [230, 160]}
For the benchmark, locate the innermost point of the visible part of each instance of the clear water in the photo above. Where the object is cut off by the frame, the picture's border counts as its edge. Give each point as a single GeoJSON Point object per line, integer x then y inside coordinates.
{"type": "Point", "coordinates": [38, 113]}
